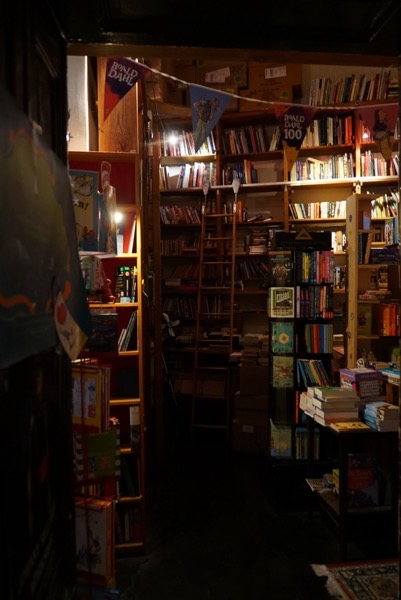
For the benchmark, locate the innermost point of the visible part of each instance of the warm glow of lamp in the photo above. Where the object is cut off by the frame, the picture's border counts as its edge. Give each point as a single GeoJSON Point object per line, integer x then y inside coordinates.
{"type": "Point", "coordinates": [172, 139]}
{"type": "Point", "coordinates": [118, 216]}
{"type": "Point", "coordinates": [365, 135]}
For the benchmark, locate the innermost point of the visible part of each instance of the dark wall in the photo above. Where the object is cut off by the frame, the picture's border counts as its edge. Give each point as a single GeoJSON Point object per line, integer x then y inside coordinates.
{"type": "Point", "coordinates": [37, 507]}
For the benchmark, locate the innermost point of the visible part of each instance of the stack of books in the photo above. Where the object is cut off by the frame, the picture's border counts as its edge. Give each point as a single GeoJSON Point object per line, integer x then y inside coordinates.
{"type": "Point", "coordinates": [381, 415]}
{"type": "Point", "coordinates": [367, 382]}
{"type": "Point", "coordinates": [328, 404]}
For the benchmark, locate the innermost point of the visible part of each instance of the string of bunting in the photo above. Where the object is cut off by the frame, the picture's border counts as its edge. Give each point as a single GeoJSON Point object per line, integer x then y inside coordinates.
{"type": "Point", "coordinates": [207, 106]}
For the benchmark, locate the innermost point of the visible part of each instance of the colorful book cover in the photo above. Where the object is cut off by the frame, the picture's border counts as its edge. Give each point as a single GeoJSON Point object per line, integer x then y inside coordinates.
{"type": "Point", "coordinates": [363, 482]}
{"type": "Point", "coordinates": [97, 455]}
{"type": "Point", "coordinates": [94, 539]}
{"type": "Point", "coordinates": [281, 301]}
{"type": "Point", "coordinates": [87, 395]}
{"type": "Point", "coordinates": [282, 371]}
{"type": "Point", "coordinates": [348, 425]}
{"type": "Point", "coordinates": [281, 267]}
{"type": "Point", "coordinates": [282, 337]}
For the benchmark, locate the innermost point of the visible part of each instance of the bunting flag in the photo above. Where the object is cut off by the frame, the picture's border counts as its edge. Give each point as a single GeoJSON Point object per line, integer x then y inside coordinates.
{"type": "Point", "coordinates": [381, 121]}
{"type": "Point", "coordinates": [121, 76]}
{"type": "Point", "coordinates": [293, 122]}
{"type": "Point", "coordinates": [207, 107]}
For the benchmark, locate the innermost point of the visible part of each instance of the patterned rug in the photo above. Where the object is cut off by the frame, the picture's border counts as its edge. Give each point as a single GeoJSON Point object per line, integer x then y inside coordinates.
{"type": "Point", "coordinates": [372, 580]}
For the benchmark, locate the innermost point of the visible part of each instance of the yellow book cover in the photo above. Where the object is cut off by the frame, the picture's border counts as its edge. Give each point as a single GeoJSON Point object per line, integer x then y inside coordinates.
{"type": "Point", "coordinates": [348, 425]}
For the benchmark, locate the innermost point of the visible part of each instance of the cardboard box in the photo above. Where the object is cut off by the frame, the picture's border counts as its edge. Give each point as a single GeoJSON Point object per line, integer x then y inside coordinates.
{"type": "Point", "coordinates": [270, 82]}
{"type": "Point", "coordinates": [221, 73]}
{"type": "Point", "coordinates": [179, 91]}
{"type": "Point", "coordinates": [249, 436]}
{"type": "Point", "coordinates": [253, 415]}
{"type": "Point", "coordinates": [250, 401]}
{"type": "Point", "coordinates": [253, 379]}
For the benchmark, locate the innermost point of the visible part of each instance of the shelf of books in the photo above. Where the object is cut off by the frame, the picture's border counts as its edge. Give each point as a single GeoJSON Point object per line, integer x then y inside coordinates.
{"type": "Point", "coordinates": [373, 282]}
{"type": "Point", "coordinates": [300, 310]}
{"type": "Point", "coordinates": [108, 377]}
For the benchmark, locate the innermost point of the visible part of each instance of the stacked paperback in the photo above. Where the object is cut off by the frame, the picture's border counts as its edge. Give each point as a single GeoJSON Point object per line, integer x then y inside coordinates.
{"type": "Point", "coordinates": [381, 415]}
{"type": "Point", "coordinates": [368, 383]}
{"type": "Point", "coordinates": [327, 404]}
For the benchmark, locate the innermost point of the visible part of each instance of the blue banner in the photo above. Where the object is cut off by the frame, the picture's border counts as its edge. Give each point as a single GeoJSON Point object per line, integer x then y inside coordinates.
{"type": "Point", "coordinates": [207, 107]}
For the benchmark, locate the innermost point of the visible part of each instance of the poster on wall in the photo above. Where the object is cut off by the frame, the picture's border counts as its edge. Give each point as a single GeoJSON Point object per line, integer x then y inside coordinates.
{"type": "Point", "coordinates": [42, 294]}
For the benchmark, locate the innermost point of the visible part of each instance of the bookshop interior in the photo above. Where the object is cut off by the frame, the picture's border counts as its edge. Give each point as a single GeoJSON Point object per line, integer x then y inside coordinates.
{"type": "Point", "coordinates": [200, 302]}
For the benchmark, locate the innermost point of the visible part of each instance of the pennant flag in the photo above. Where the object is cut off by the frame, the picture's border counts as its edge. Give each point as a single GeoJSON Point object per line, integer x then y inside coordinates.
{"type": "Point", "coordinates": [293, 122]}
{"type": "Point", "coordinates": [121, 76]}
{"type": "Point", "coordinates": [207, 107]}
{"type": "Point", "coordinates": [381, 121]}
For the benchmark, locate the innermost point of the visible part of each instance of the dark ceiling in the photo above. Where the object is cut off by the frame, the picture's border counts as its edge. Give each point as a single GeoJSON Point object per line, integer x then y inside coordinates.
{"type": "Point", "coordinates": [347, 27]}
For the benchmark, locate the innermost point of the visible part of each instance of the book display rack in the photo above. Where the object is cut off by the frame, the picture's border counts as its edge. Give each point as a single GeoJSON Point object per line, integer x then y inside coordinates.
{"type": "Point", "coordinates": [300, 311]}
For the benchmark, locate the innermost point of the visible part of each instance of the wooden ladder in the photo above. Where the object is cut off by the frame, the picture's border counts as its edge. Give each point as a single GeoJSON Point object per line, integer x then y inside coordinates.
{"type": "Point", "coordinates": [215, 320]}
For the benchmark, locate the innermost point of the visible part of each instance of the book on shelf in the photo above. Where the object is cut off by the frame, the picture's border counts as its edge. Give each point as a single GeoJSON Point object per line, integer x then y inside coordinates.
{"type": "Point", "coordinates": [282, 371]}
{"type": "Point", "coordinates": [104, 336]}
{"type": "Point", "coordinates": [364, 319]}
{"type": "Point", "coordinates": [282, 337]}
{"type": "Point", "coordinates": [280, 441]}
{"type": "Point", "coordinates": [388, 318]}
{"type": "Point", "coordinates": [96, 455]}
{"type": "Point", "coordinates": [320, 485]}
{"type": "Point", "coordinates": [94, 539]}
{"type": "Point", "coordinates": [129, 330]}
{"type": "Point", "coordinates": [312, 372]}
{"type": "Point", "coordinates": [281, 302]}
{"type": "Point", "coordinates": [363, 480]}
{"type": "Point", "coordinates": [281, 267]}
{"type": "Point", "coordinates": [90, 395]}
{"type": "Point", "coordinates": [131, 240]}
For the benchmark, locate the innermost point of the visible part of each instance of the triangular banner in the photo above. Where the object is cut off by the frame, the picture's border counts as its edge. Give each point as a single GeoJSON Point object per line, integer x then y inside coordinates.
{"type": "Point", "coordinates": [293, 122]}
{"type": "Point", "coordinates": [207, 108]}
{"type": "Point", "coordinates": [381, 121]}
{"type": "Point", "coordinates": [121, 76]}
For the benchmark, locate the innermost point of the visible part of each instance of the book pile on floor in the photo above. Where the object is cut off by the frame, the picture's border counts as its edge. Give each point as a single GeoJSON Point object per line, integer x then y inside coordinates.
{"type": "Point", "coordinates": [381, 415]}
